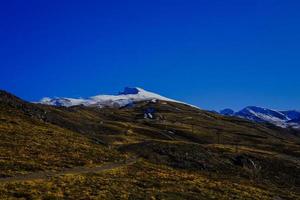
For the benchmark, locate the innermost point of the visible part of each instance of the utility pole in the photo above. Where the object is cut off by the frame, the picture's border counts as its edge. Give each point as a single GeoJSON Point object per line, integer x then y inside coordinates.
{"type": "Point", "coordinates": [218, 135]}
{"type": "Point", "coordinates": [192, 127]}
{"type": "Point", "coordinates": [236, 146]}
{"type": "Point", "coordinates": [192, 124]}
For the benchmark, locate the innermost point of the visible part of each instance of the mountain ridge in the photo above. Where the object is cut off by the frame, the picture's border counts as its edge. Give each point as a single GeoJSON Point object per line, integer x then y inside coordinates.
{"type": "Point", "coordinates": [131, 95]}
{"type": "Point", "coordinates": [284, 119]}
{"type": "Point", "coordinates": [128, 96]}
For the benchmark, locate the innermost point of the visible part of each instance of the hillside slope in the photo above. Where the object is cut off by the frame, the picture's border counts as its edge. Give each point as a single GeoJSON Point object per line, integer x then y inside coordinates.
{"type": "Point", "coordinates": [29, 144]}
{"type": "Point", "coordinates": [181, 153]}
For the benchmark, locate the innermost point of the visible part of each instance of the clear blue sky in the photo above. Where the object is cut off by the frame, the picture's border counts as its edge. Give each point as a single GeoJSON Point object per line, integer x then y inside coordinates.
{"type": "Point", "coordinates": [214, 54]}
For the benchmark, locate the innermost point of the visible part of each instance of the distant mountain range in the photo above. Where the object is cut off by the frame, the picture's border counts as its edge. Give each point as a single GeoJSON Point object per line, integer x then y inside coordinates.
{"type": "Point", "coordinates": [284, 119]}
{"type": "Point", "coordinates": [131, 95]}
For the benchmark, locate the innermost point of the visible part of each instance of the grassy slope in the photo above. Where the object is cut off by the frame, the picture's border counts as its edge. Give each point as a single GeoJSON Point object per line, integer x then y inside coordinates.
{"type": "Point", "coordinates": [140, 181]}
{"type": "Point", "coordinates": [180, 157]}
{"type": "Point", "coordinates": [28, 145]}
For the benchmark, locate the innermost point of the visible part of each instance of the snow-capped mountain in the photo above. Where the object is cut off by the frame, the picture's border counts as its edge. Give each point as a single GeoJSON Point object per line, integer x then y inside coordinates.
{"type": "Point", "coordinates": [127, 97]}
{"type": "Point", "coordinates": [283, 119]}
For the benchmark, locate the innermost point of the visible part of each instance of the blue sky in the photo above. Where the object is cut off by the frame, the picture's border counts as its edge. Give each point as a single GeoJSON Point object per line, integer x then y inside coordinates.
{"type": "Point", "coordinates": [213, 54]}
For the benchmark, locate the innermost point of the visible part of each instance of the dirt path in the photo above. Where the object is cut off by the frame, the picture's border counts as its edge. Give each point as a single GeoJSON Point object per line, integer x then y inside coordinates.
{"type": "Point", "coordinates": [76, 170]}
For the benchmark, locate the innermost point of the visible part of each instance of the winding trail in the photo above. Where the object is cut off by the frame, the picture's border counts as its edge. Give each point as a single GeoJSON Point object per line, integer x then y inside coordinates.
{"type": "Point", "coordinates": [76, 170]}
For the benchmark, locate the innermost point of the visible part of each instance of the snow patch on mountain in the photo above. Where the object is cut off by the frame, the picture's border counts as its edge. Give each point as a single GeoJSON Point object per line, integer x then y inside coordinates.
{"type": "Point", "coordinates": [127, 97]}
